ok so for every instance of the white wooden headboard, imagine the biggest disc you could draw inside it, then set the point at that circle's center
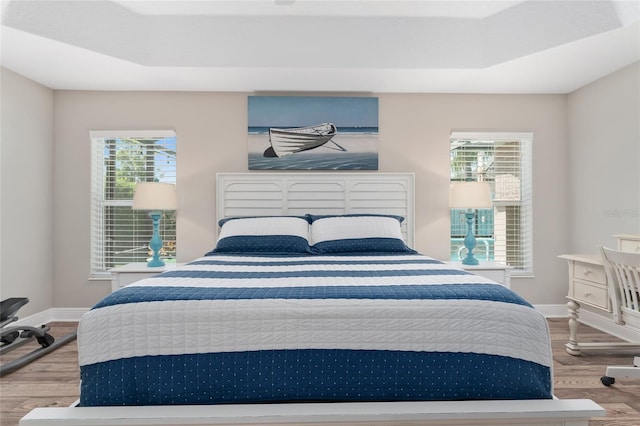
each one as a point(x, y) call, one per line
point(276, 194)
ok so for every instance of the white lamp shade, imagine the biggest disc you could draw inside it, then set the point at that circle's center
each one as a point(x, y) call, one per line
point(155, 196)
point(470, 195)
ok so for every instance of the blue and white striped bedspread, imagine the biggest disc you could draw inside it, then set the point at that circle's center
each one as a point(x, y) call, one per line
point(242, 329)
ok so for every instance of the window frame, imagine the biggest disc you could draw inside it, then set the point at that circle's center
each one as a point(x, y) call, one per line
point(526, 203)
point(97, 200)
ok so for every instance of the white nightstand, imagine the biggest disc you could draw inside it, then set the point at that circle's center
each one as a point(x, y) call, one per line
point(131, 272)
point(496, 271)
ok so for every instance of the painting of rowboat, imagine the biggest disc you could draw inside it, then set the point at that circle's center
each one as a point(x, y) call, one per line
point(289, 141)
point(312, 133)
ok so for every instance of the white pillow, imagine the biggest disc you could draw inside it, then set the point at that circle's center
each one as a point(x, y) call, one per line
point(357, 233)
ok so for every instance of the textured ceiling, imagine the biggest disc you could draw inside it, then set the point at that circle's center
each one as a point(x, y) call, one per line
point(373, 46)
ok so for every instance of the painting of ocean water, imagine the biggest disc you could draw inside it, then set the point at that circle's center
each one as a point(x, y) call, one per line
point(312, 133)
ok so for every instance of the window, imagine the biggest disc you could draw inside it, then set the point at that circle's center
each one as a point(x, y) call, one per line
point(503, 233)
point(120, 235)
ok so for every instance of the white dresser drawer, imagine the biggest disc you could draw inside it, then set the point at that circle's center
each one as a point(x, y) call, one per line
point(585, 292)
point(590, 272)
point(632, 246)
point(628, 242)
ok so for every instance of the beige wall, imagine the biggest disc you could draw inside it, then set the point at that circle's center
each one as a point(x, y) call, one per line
point(604, 134)
point(211, 132)
point(26, 188)
point(52, 242)
point(209, 138)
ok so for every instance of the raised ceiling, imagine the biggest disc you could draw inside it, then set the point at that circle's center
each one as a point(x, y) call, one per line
point(533, 46)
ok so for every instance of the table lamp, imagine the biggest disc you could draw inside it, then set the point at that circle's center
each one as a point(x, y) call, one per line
point(155, 196)
point(470, 196)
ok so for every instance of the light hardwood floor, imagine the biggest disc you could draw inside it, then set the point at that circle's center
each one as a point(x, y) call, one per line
point(53, 380)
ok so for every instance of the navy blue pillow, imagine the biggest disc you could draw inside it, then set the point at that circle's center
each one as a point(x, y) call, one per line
point(278, 244)
point(362, 245)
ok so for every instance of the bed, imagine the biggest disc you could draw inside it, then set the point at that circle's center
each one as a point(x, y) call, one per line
point(314, 309)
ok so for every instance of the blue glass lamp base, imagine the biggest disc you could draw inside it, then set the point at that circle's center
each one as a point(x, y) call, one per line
point(155, 263)
point(156, 243)
point(470, 260)
point(470, 240)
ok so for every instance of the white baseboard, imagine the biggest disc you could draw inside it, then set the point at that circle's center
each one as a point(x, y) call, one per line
point(589, 318)
point(52, 315)
point(552, 311)
point(74, 314)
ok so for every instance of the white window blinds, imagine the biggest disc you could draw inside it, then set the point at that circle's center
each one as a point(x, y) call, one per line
point(504, 232)
point(120, 159)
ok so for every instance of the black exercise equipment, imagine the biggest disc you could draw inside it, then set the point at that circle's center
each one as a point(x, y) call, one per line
point(16, 335)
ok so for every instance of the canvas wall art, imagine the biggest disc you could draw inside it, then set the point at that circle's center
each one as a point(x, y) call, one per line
point(312, 133)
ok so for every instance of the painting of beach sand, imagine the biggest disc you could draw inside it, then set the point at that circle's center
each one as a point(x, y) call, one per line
point(312, 133)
